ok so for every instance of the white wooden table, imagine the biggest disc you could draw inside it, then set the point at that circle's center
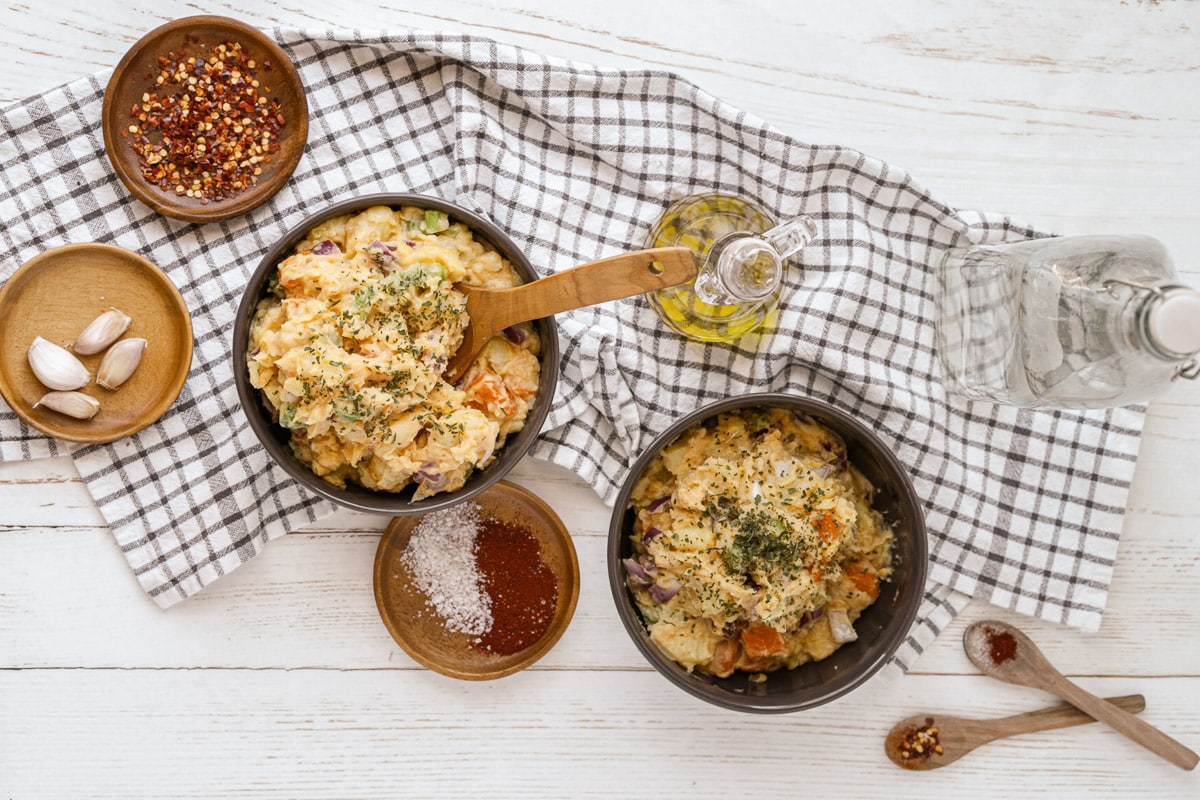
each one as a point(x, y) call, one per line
point(280, 681)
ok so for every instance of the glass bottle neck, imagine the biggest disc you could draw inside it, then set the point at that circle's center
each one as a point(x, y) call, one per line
point(744, 267)
point(741, 268)
point(1165, 319)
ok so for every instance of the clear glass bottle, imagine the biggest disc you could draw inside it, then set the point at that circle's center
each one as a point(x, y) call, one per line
point(1067, 322)
point(741, 252)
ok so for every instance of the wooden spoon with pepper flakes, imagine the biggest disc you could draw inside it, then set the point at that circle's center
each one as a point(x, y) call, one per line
point(925, 741)
point(1004, 652)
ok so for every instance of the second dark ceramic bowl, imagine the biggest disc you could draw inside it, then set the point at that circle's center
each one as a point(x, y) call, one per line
point(881, 628)
point(275, 437)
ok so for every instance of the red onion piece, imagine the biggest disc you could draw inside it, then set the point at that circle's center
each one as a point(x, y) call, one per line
point(637, 572)
point(840, 627)
point(659, 504)
point(325, 248)
point(428, 474)
point(650, 535)
point(662, 594)
point(515, 334)
point(382, 253)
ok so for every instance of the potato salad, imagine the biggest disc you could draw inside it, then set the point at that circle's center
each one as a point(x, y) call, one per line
point(349, 346)
point(755, 545)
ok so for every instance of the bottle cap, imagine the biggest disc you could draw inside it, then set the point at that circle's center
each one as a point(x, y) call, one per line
point(1174, 321)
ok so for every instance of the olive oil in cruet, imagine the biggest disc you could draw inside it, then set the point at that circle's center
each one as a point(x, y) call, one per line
point(742, 253)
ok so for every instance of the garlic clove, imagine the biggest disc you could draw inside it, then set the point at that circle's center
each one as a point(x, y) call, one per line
point(55, 367)
point(103, 331)
point(119, 362)
point(73, 404)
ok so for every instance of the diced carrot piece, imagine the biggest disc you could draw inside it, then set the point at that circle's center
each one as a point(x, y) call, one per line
point(762, 641)
point(488, 391)
point(864, 580)
point(826, 527)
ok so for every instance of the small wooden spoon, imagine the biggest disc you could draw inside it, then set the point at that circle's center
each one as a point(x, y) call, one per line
point(493, 310)
point(958, 736)
point(1004, 652)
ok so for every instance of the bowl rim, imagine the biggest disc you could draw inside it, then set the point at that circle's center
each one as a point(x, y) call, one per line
point(392, 504)
point(843, 683)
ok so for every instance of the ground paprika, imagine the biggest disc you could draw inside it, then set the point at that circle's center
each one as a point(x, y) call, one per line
point(522, 588)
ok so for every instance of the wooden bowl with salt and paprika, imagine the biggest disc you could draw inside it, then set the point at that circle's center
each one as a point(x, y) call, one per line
point(479, 590)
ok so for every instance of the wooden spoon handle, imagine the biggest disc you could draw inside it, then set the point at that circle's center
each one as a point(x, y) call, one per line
point(1127, 724)
point(609, 278)
point(1061, 716)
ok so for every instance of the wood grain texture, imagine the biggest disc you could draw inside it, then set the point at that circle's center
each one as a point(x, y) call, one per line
point(280, 680)
point(111, 277)
point(386, 733)
point(944, 739)
point(490, 311)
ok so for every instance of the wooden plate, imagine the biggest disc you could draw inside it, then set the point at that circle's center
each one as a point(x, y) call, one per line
point(55, 295)
point(193, 36)
point(423, 635)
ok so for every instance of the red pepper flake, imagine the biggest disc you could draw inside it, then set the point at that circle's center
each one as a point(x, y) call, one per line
point(206, 128)
point(1002, 646)
point(523, 590)
point(920, 743)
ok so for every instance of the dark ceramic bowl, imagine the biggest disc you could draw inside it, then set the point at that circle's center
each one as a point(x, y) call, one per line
point(881, 628)
point(275, 437)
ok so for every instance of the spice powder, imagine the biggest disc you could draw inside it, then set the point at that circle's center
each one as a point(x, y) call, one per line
point(1002, 646)
point(522, 588)
point(483, 577)
point(439, 558)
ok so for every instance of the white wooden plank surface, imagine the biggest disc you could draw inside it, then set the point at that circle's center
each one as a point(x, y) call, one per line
point(280, 681)
point(386, 733)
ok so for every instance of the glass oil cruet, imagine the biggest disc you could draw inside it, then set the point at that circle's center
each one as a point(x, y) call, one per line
point(1070, 322)
point(741, 252)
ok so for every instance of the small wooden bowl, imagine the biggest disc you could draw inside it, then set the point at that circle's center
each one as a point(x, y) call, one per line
point(420, 631)
point(193, 36)
point(55, 295)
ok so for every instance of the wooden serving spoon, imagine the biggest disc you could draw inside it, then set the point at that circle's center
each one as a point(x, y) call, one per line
point(493, 310)
point(957, 736)
point(1004, 652)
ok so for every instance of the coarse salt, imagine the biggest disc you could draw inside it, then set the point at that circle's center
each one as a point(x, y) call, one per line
point(440, 557)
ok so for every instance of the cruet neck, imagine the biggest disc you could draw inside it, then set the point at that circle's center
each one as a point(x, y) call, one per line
point(745, 267)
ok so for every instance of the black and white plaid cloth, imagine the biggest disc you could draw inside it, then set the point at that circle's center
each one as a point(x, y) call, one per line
point(1024, 507)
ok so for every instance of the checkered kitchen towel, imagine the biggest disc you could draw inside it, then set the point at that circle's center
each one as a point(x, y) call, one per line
point(1024, 508)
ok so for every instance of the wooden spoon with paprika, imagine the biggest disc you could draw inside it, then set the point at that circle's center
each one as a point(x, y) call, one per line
point(1005, 653)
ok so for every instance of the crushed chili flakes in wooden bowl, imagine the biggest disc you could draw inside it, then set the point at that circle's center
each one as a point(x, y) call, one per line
point(481, 589)
point(204, 118)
